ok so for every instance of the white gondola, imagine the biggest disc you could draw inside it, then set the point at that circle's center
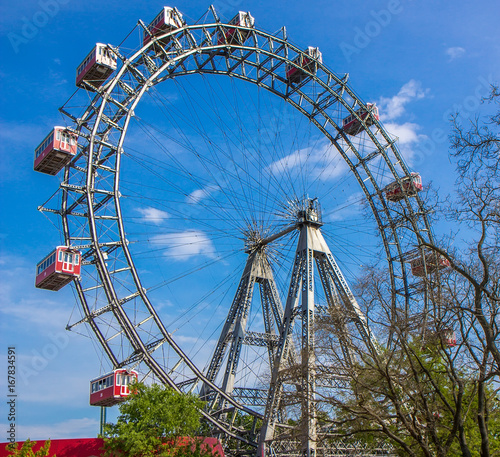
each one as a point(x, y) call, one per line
point(234, 35)
point(305, 64)
point(409, 187)
point(55, 151)
point(168, 19)
point(352, 124)
point(96, 68)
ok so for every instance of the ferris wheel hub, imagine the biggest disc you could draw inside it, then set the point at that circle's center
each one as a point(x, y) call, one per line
point(254, 238)
point(309, 212)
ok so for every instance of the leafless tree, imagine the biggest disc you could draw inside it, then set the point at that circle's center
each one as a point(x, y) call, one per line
point(476, 146)
point(425, 394)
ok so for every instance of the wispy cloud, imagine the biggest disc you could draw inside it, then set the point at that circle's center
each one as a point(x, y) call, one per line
point(201, 194)
point(347, 209)
point(57, 78)
point(289, 162)
point(322, 162)
point(393, 107)
point(185, 245)
point(408, 136)
point(153, 215)
point(72, 428)
point(37, 311)
point(20, 300)
point(407, 132)
point(454, 53)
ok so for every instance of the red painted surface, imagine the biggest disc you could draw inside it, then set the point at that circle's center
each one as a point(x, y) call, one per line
point(92, 447)
point(354, 126)
point(166, 21)
point(85, 70)
point(51, 159)
point(410, 187)
point(155, 30)
point(97, 67)
point(295, 74)
point(47, 272)
point(78, 447)
point(60, 272)
point(433, 262)
point(230, 36)
point(114, 393)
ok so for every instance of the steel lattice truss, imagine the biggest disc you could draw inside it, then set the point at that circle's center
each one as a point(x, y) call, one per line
point(111, 291)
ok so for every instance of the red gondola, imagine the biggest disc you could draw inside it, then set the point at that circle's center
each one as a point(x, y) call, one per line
point(352, 125)
point(237, 36)
point(59, 268)
point(306, 63)
point(55, 151)
point(111, 388)
point(433, 262)
point(409, 187)
point(448, 337)
point(96, 67)
point(167, 20)
point(445, 336)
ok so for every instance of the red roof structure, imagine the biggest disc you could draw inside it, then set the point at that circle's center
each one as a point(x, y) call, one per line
point(92, 447)
point(77, 447)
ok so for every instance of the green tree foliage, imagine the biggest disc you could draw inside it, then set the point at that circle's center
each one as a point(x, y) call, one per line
point(248, 427)
point(26, 450)
point(418, 398)
point(151, 421)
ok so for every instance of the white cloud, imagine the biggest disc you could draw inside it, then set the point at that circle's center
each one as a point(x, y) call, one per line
point(289, 162)
point(454, 53)
point(407, 132)
point(72, 428)
point(184, 245)
point(408, 138)
point(323, 163)
point(198, 348)
point(40, 377)
point(201, 194)
point(346, 209)
point(41, 312)
point(20, 301)
point(191, 340)
point(153, 215)
point(58, 78)
point(394, 107)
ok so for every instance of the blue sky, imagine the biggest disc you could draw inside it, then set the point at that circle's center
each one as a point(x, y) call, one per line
point(420, 61)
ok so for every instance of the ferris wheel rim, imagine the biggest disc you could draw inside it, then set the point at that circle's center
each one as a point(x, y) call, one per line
point(103, 96)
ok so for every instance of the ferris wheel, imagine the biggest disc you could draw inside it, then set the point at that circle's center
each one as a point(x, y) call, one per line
point(221, 190)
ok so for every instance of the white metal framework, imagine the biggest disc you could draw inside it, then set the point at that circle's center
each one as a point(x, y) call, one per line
point(274, 211)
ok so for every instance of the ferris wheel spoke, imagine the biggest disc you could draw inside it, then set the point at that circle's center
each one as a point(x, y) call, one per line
point(201, 151)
